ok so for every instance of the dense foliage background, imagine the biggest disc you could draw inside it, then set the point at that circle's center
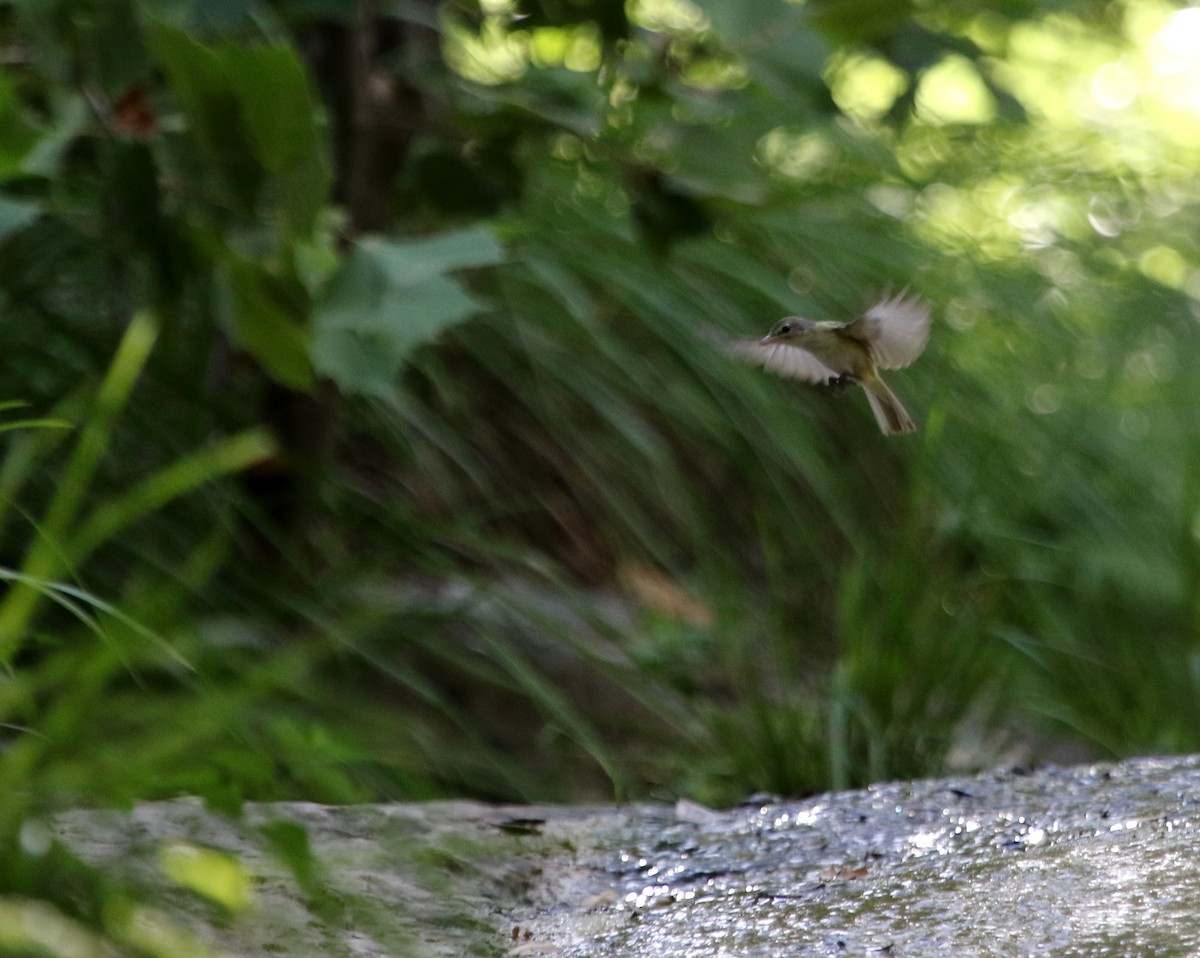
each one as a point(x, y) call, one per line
point(365, 438)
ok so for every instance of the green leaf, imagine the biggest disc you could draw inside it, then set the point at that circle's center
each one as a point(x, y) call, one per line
point(111, 32)
point(410, 262)
point(388, 298)
point(289, 842)
point(280, 113)
point(252, 111)
point(70, 117)
point(851, 21)
point(777, 40)
point(738, 19)
point(792, 59)
point(357, 362)
point(18, 133)
point(216, 875)
point(205, 95)
point(35, 424)
point(15, 215)
point(277, 106)
point(266, 315)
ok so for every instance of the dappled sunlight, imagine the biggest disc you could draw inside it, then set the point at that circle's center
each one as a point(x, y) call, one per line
point(491, 55)
point(668, 16)
point(1124, 107)
point(1164, 265)
point(576, 49)
point(952, 92)
point(865, 86)
point(797, 155)
point(1174, 54)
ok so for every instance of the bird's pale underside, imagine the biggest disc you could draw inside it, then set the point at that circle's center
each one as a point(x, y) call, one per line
point(889, 334)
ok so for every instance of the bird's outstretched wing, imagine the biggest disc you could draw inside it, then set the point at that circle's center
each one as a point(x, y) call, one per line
point(895, 329)
point(781, 359)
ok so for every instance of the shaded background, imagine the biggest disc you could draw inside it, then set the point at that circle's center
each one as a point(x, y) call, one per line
point(364, 439)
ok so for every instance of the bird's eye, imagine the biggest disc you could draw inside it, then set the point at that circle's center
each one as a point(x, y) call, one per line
point(785, 328)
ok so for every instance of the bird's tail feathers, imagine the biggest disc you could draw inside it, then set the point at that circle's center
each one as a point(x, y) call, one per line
point(889, 412)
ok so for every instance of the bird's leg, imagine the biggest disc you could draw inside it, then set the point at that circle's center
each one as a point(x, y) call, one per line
point(842, 382)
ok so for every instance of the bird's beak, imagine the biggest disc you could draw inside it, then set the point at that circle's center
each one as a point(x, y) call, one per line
point(766, 340)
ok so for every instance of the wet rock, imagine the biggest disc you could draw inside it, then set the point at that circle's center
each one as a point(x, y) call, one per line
point(1092, 860)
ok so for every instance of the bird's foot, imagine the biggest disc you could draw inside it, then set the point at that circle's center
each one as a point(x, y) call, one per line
point(842, 382)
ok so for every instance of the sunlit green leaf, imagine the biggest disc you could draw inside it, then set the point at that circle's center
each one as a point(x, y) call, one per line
point(215, 875)
point(39, 928)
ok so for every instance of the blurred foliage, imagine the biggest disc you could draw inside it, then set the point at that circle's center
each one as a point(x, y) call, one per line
point(401, 461)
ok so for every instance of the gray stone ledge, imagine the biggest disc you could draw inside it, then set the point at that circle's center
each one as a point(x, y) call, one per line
point(1094, 860)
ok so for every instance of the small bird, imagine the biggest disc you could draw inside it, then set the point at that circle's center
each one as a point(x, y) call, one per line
point(889, 334)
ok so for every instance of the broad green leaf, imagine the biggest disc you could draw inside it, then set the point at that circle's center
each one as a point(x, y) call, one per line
point(18, 132)
point(110, 31)
point(389, 297)
point(276, 102)
point(738, 20)
point(358, 362)
point(251, 109)
point(407, 315)
point(405, 263)
point(210, 16)
point(280, 113)
point(777, 40)
point(858, 20)
point(289, 843)
point(15, 215)
point(206, 96)
point(554, 96)
point(267, 317)
point(71, 116)
point(793, 59)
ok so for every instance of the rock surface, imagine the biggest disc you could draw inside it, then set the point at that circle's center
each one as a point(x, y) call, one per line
point(1096, 860)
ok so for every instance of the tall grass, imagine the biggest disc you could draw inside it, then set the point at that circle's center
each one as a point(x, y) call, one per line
point(879, 608)
point(869, 608)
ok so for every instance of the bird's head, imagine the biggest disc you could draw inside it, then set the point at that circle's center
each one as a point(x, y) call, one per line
point(790, 328)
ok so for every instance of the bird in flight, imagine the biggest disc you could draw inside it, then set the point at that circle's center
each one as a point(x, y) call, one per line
point(889, 334)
